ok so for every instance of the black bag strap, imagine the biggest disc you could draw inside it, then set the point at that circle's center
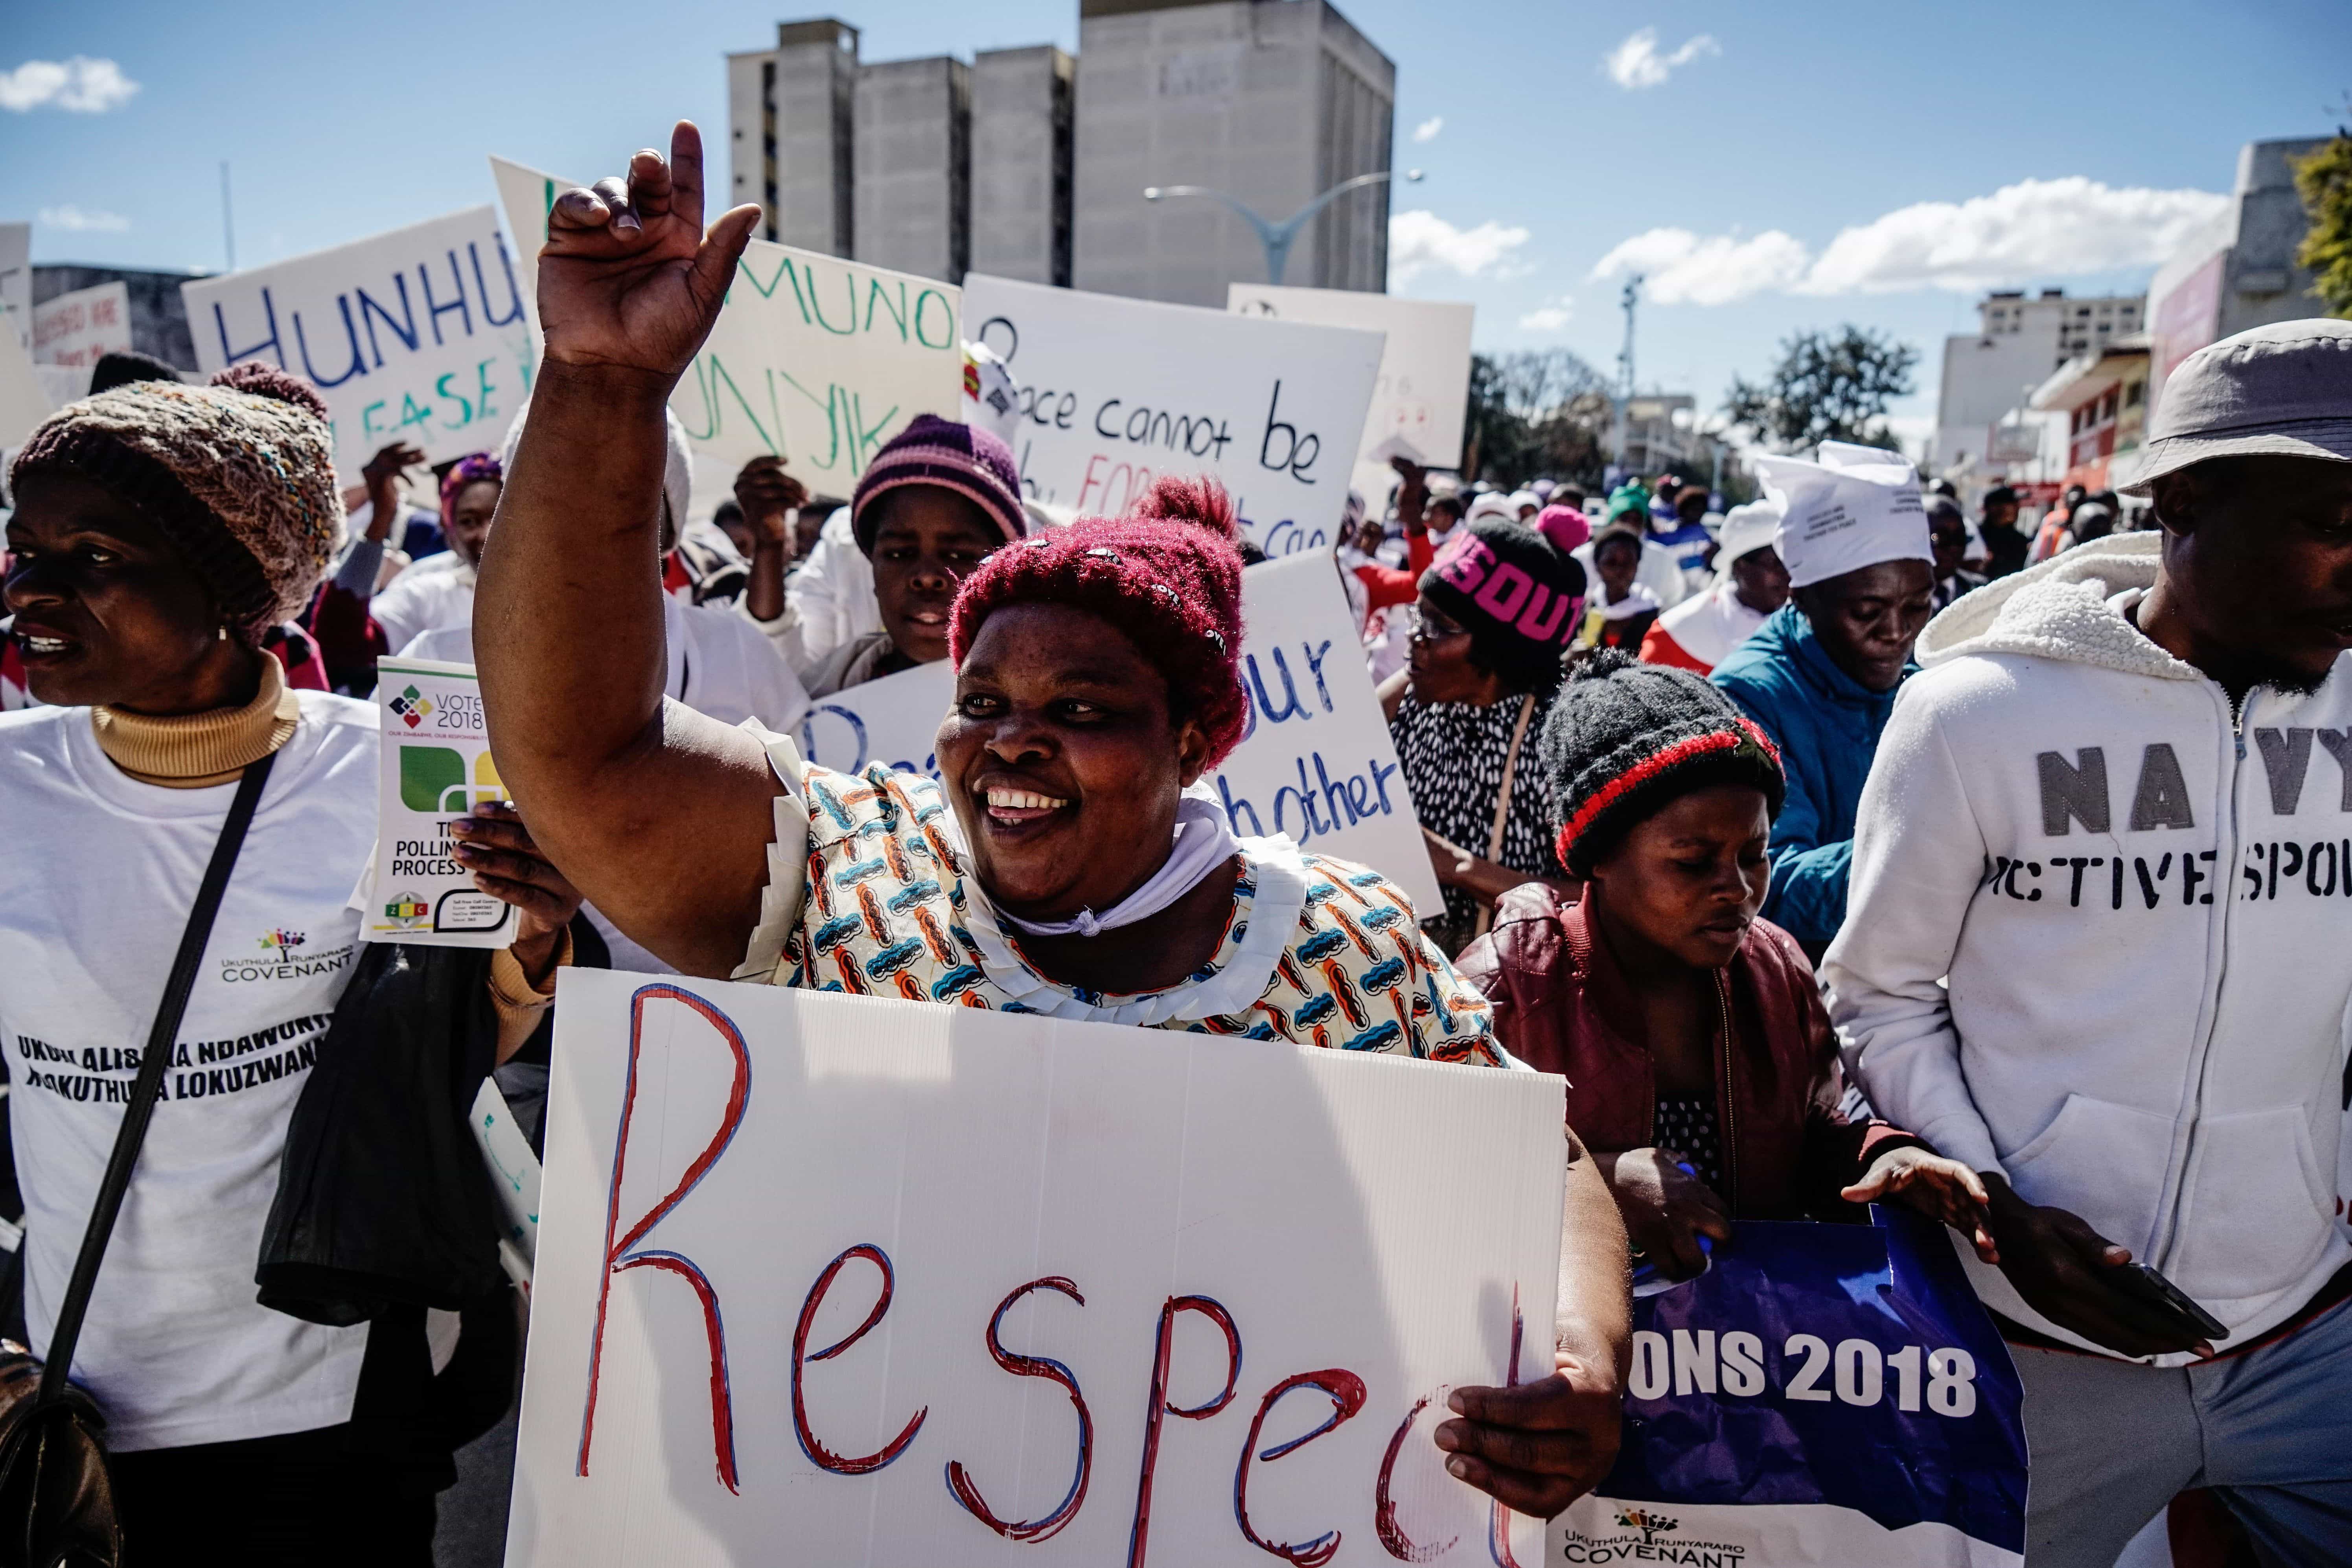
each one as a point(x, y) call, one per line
point(148, 1086)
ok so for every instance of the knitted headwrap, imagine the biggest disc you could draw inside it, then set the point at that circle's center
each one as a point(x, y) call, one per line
point(471, 469)
point(240, 475)
point(972, 462)
point(1626, 740)
point(1167, 575)
point(1515, 590)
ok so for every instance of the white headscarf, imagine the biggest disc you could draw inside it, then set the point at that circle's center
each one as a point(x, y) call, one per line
point(1745, 529)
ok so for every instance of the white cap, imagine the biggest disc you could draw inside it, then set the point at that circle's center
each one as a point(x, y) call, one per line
point(991, 396)
point(1853, 507)
point(1745, 529)
point(1492, 504)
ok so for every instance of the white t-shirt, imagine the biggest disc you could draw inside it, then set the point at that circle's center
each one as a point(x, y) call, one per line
point(95, 889)
point(719, 664)
point(828, 604)
point(428, 597)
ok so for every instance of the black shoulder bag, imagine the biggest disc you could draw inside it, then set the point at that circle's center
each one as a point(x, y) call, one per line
point(56, 1500)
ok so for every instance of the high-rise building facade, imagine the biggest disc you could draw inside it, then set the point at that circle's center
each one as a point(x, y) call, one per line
point(1030, 163)
point(1023, 112)
point(1991, 373)
point(1271, 101)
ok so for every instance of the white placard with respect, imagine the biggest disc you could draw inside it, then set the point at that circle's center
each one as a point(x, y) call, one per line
point(1317, 762)
point(855, 1280)
point(814, 359)
point(417, 335)
point(435, 767)
point(1423, 394)
point(75, 329)
point(1115, 392)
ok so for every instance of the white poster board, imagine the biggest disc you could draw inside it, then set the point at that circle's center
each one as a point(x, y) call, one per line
point(436, 768)
point(23, 401)
point(75, 329)
point(1115, 392)
point(815, 359)
point(825, 1280)
point(417, 335)
point(1422, 395)
point(1317, 762)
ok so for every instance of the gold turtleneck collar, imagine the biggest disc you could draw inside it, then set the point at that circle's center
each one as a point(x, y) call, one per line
point(193, 750)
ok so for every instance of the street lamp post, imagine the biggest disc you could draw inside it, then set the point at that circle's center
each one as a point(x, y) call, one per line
point(1274, 236)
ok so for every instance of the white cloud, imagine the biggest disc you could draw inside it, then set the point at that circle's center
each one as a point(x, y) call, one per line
point(74, 217)
point(1420, 240)
point(1636, 63)
point(1678, 268)
point(81, 84)
point(2031, 230)
point(2035, 228)
point(1550, 316)
point(1428, 129)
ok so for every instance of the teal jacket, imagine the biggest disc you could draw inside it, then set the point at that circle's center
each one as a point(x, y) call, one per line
point(1827, 726)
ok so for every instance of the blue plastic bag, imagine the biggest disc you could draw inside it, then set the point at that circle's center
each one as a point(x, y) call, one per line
point(1823, 1393)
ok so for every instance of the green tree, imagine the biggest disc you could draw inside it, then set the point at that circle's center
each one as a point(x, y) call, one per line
point(2324, 181)
point(1533, 412)
point(1826, 387)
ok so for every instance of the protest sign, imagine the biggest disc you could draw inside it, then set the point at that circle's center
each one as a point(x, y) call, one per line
point(1823, 1393)
point(814, 359)
point(872, 1282)
point(436, 768)
point(75, 329)
point(515, 1177)
point(1316, 761)
point(1115, 392)
point(416, 335)
point(23, 401)
point(1422, 395)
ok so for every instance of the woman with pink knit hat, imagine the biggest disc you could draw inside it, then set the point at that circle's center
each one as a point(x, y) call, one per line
point(1065, 861)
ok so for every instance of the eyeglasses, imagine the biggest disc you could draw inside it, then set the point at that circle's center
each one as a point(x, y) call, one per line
point(1419, 627)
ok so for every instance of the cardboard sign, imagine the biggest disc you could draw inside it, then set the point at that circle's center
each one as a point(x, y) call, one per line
point(75, 329)
point(1422, 395)
point(860, 1281)
point(418, 335)
point(436, 768)
point(1317, 762)
point(1115, 392)
point(1823, 1393)
point(17, 282)
point(515, 1176)
point(24, 403)
point(814, 359)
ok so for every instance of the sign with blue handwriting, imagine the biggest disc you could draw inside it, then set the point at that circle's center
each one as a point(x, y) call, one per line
point(1116, 392)
point(1315, 762)
point(420, 335)
point(1823, 1393)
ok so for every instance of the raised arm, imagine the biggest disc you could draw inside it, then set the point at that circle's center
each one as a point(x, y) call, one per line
point(658, 816)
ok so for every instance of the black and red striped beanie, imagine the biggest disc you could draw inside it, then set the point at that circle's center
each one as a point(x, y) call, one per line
point(1627, 739)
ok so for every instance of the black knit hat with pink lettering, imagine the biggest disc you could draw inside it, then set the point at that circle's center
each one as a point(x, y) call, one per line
point(1626, 740)
point(1516, 594)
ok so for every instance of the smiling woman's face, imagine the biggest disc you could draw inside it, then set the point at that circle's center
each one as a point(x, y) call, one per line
point(1061, 761)
point(108, 610)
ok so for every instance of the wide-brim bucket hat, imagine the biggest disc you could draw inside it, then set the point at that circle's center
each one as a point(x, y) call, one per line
point(2280, 390)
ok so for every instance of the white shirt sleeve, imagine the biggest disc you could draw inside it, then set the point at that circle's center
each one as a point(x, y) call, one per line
point(1918, 860)
point(829, 602)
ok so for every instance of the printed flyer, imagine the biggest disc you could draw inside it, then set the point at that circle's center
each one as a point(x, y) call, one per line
point(436, 767)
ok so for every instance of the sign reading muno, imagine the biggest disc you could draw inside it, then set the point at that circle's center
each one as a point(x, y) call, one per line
point(865, 1281)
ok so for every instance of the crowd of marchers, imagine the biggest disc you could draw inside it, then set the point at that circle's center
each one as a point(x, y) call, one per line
point(1839, 848)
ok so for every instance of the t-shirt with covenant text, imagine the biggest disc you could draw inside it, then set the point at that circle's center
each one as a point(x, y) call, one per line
point(95, 890)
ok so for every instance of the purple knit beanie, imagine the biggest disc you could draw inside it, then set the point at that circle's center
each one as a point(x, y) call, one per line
point(973, 463)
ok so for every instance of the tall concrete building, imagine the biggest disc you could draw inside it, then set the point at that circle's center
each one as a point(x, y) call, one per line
point(912, 162)
point(790, 117)
point(1273, 102)
point(1030, 163)
point(1023, 112)
point(2019, 342)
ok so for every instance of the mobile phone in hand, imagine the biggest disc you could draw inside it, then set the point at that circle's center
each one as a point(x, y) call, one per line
point(2139, 1281)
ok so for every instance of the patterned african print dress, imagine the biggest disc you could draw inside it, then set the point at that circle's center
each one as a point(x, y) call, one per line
point(872, 898)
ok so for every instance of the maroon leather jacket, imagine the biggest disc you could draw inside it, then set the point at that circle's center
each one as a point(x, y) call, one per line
point(1561, 1005)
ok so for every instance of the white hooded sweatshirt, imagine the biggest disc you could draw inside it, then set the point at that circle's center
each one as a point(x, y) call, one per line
point(2144, 906)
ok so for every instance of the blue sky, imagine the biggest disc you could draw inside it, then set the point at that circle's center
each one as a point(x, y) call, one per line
point(1781, 129)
